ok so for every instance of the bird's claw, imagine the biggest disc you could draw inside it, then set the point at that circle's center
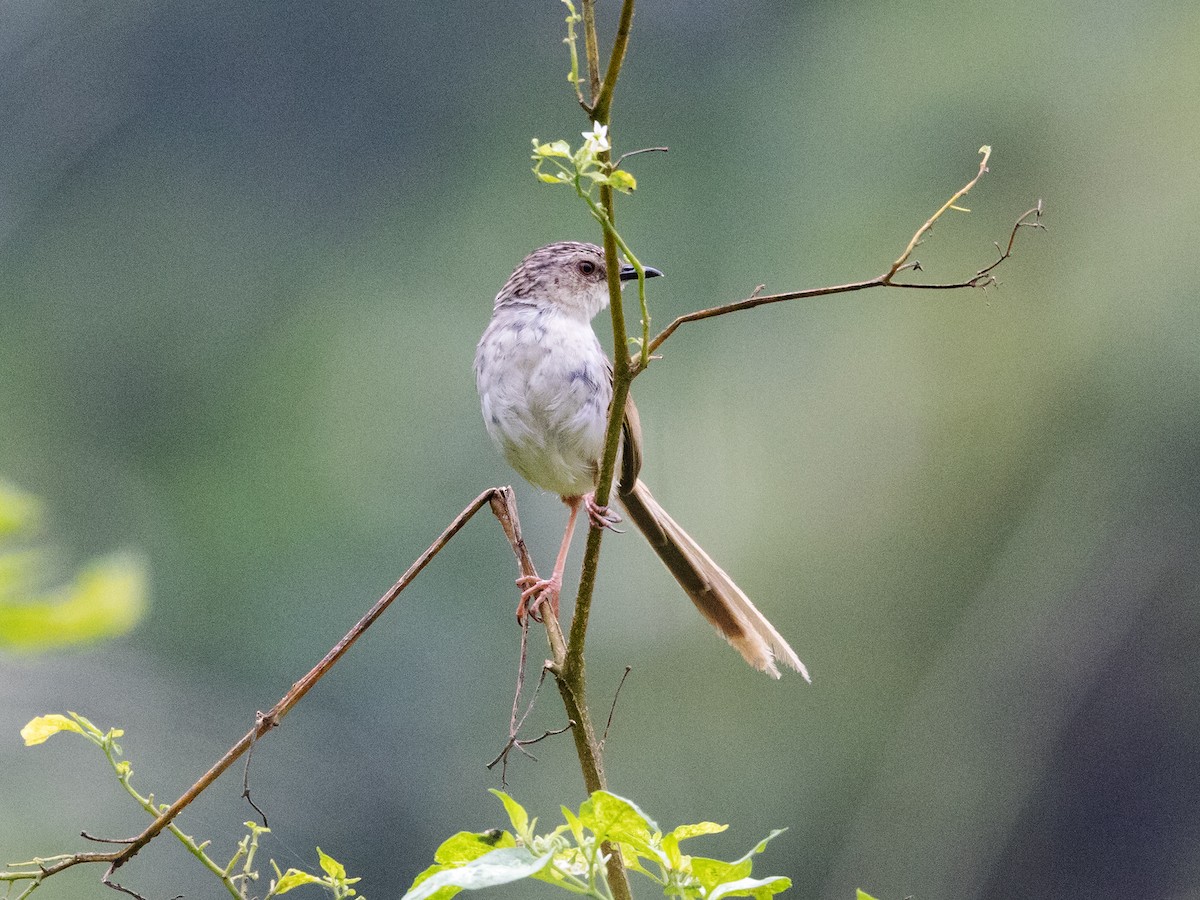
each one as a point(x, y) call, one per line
point(534, 592)
point(601, 516)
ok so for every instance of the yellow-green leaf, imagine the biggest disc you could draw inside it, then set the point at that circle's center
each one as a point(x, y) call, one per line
point(622, 181)
point(106, 599)
point(331, 866)
point(293, 878)
point(516, 812)
point(40, 730)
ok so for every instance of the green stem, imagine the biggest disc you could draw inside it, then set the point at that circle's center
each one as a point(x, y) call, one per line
point(147, 803)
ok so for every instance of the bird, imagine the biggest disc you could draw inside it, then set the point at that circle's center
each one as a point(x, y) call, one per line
point(545, 387)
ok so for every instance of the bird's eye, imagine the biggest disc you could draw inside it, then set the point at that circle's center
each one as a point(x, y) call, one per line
point(587, 267)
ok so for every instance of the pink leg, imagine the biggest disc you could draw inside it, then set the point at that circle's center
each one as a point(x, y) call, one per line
point(537, 591)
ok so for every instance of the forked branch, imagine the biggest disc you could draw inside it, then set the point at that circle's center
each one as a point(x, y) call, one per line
point(984, 277)
point(503, 505)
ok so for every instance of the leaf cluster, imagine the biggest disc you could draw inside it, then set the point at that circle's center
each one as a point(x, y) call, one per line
point(238, 876)
point(573, 856)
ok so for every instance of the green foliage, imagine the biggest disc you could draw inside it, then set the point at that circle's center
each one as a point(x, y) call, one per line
point(587, 170)
point(106, 598)
point(574, 854)
point(238, 876)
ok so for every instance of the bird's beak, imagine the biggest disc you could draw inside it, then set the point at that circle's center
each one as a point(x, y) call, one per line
point(628, 272)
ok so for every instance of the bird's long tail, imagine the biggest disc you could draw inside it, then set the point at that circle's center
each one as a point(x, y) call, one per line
point(715, 594)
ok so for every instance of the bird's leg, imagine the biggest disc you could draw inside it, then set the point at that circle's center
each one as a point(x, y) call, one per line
point(537, 591)
point(601, 516)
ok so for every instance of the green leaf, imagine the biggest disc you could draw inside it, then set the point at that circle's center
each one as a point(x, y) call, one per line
point(41, 729)
point(106, 599)
point(293, 878)
point(575, 825)
point(560, 149)
point(711, 873)
point(516, 812)
point(613, 818)
point(761, 845)
point(860, 894)
point(759, 888)
point(548, 178)
point(683, 832)
point(468, 845)
point(501, 866)
point(331, 866)
point(622, 181)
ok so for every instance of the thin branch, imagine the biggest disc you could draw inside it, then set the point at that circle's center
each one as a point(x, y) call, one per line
point(592, 50)
point(902, 260)
point(624, 156)
point(612, 709)
point(258, 717)
point(305, 684)
point(570, 675)
point(503, 505)
point(1031, 218)
point(603, 100)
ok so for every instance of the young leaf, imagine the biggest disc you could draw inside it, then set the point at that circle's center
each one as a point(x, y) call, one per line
point(683, 832)
point(501, 866)
point(758, 848)
point(39, 730)
point(467, 845)
point(759, 888)
point(622, 181)
point(711, 873)
point(613, 818)
point(516, 812)
point(293, 878)
point(331, 866)
point(860, 894)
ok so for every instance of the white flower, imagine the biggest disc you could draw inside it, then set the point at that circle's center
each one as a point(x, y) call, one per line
point(596, 140)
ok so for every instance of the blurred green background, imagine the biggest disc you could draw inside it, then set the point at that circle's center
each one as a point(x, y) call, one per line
point(246, 251)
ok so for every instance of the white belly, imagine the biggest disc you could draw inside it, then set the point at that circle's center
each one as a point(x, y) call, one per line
point(545, 387)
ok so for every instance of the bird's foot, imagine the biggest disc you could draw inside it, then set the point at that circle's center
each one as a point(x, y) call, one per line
point(535, 592)
point(601, 516)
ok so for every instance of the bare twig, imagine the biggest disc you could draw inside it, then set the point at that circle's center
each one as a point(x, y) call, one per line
point(258, 720)
point(612, 709)
point(624, 156)
point(902, 260)
point(1029, 219)
point(502, 503)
